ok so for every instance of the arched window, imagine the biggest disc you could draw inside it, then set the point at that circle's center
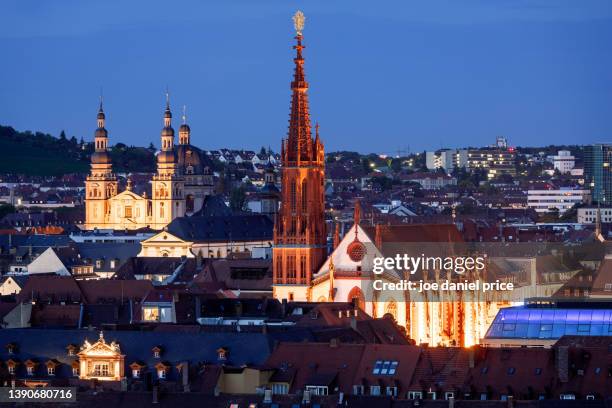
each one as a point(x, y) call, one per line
point(161, 210)
point(292, 192)
point(356, 295)
point(391, 309)
point(190, 203)
point(304, 196)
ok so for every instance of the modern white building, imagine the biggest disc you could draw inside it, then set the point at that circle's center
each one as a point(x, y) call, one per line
point(447, 159)
point(564, 161)
point(588, 215)
point(562, 199)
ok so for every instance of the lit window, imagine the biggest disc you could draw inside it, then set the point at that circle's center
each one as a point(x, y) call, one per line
point(101, 370)
point(51, 370)
point(280, 389)
point(30, 370)
point(136, 373)
point(415, 395)
point(392, 391)
point(161, 373)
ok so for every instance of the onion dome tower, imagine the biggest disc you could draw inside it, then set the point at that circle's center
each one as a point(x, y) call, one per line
point(167, 185)
point(101, 184)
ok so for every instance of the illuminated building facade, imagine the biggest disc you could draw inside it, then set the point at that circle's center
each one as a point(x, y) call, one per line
point(299, 231)
point(101, 361)
point(178, 188)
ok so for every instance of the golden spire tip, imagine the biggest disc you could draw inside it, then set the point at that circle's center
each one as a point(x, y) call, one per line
point(298, 22)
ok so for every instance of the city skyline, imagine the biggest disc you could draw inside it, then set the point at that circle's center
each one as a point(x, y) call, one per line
point(547, 66)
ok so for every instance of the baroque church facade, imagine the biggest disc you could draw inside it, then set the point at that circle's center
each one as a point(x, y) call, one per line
point(177, 189)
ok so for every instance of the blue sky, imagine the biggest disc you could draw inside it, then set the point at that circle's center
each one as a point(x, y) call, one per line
point(384, 74)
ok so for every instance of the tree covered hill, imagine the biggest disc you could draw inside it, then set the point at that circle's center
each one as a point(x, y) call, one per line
point(42, 154)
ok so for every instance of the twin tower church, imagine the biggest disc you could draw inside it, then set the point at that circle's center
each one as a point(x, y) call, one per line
point(178, 189)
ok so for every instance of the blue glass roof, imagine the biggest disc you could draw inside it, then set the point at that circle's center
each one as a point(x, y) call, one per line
point(549, 323)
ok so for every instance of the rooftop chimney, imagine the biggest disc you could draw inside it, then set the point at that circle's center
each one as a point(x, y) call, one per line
point(267, 396)
point(562, 357)
point(471, 354)
point(155, 395)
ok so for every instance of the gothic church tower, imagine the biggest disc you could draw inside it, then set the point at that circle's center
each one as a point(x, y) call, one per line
point(299, 231)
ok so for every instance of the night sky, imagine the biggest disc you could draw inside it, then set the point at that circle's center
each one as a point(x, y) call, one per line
point(384, 75)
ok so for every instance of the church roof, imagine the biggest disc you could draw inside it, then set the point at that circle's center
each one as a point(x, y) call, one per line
point(244, 348)
point(213, 205)
point(416, 233)
point(188, 155)
point(222, 228)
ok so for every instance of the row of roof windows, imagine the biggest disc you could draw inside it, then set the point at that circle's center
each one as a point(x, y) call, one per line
point(385, 367)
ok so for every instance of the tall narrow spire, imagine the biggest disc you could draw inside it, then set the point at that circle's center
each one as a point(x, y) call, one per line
point(101, 116)
point(166, 158)
point(101, 135)
point(300, 234)
point(598, 221)
point(299, 139)
point(100, 159)
point(167, 112)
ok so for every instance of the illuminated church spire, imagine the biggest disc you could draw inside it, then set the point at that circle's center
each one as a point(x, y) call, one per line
point(299, 144)
point(300, 238)
point(101, 184)
point(166, 158)
point(100, 159)
point(167, 136)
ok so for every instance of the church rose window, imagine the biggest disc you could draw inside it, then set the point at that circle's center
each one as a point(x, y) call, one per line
point(356, 251)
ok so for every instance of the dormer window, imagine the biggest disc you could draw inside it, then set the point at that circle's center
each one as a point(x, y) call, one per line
point(51, 365)
point(71, 349)
point(136, 368)
point(75, 369)
point(11, 348)
point(222, 353)
point(162, 370)
point(156, 352)
point(10, 365)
